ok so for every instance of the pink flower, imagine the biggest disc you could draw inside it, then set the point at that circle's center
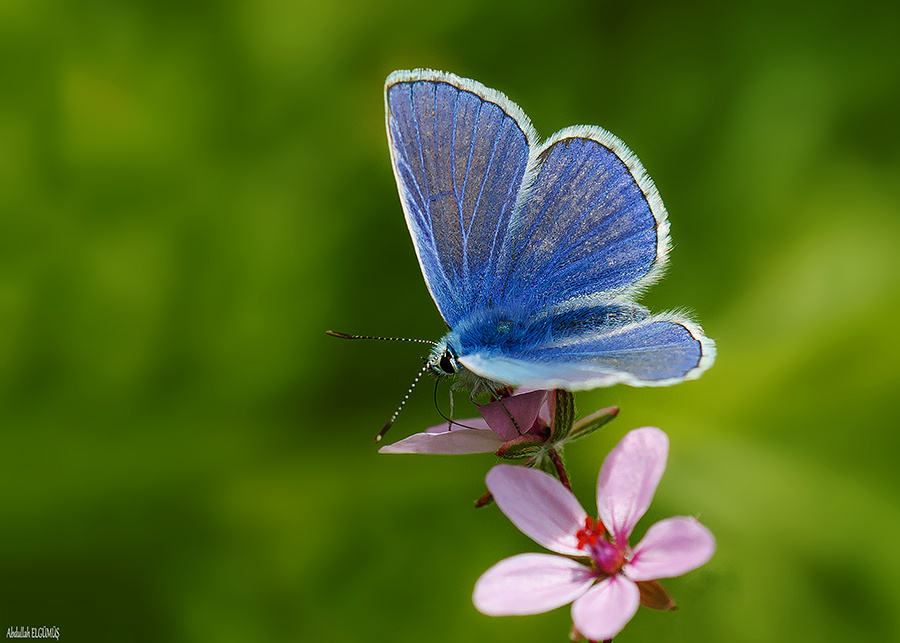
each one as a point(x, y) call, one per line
point(618, 578)
point(486, 434)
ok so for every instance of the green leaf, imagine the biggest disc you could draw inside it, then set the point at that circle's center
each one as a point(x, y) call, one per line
point(593, 422)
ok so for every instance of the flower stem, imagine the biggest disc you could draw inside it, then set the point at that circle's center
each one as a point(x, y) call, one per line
point(556, 459)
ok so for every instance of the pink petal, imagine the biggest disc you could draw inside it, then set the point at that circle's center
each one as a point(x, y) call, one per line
point(670, 548)
point(456, 442)
point(548, 408)
point(539, 506)
point(605, 609)
point(628, 479)
point(456, 425)
point(530, 584)
point(524, 408)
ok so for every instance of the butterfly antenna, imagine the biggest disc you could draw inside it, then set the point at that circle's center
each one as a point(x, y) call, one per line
point(411, 386)
point(402, 404)
point(389, 339)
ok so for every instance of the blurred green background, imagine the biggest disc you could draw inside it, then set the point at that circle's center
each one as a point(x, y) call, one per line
point(192, 192)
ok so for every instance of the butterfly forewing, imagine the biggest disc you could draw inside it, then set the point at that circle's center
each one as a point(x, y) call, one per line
point(459, 159)
point(591, 224)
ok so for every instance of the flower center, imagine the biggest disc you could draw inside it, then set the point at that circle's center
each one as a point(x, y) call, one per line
point(594, 538)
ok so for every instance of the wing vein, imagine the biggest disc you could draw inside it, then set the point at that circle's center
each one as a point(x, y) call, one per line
point(512, 187)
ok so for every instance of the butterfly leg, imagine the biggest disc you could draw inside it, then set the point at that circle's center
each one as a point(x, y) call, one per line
point(498, 393)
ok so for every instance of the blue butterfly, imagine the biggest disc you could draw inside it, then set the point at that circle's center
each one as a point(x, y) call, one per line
point(533, 252)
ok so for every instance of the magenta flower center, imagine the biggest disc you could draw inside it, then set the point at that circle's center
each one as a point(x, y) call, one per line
point(594, 538)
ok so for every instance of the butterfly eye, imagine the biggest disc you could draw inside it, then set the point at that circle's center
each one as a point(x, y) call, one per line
point(446, 364)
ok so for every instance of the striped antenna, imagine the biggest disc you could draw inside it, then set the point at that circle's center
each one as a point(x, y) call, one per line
point(387, 339)
point(402, 404)
point(411, 386)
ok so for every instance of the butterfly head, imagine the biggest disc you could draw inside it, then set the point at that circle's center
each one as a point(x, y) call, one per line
point(443, 360)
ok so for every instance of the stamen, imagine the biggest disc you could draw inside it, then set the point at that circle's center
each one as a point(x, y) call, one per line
point(591, 533)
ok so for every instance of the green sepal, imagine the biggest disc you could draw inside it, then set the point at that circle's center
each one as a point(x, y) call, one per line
point(563, 414)
point(484, 500)
point(655, 596)
point(522, 447)
point(594, 421)
point(542, 462)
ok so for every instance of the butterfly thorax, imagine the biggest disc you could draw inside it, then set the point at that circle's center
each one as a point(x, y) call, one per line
point(487, 331)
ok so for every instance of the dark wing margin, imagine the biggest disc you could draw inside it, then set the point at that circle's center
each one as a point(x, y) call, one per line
point(459, 152)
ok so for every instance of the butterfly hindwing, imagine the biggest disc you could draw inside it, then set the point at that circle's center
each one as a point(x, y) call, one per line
point(655, 351)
